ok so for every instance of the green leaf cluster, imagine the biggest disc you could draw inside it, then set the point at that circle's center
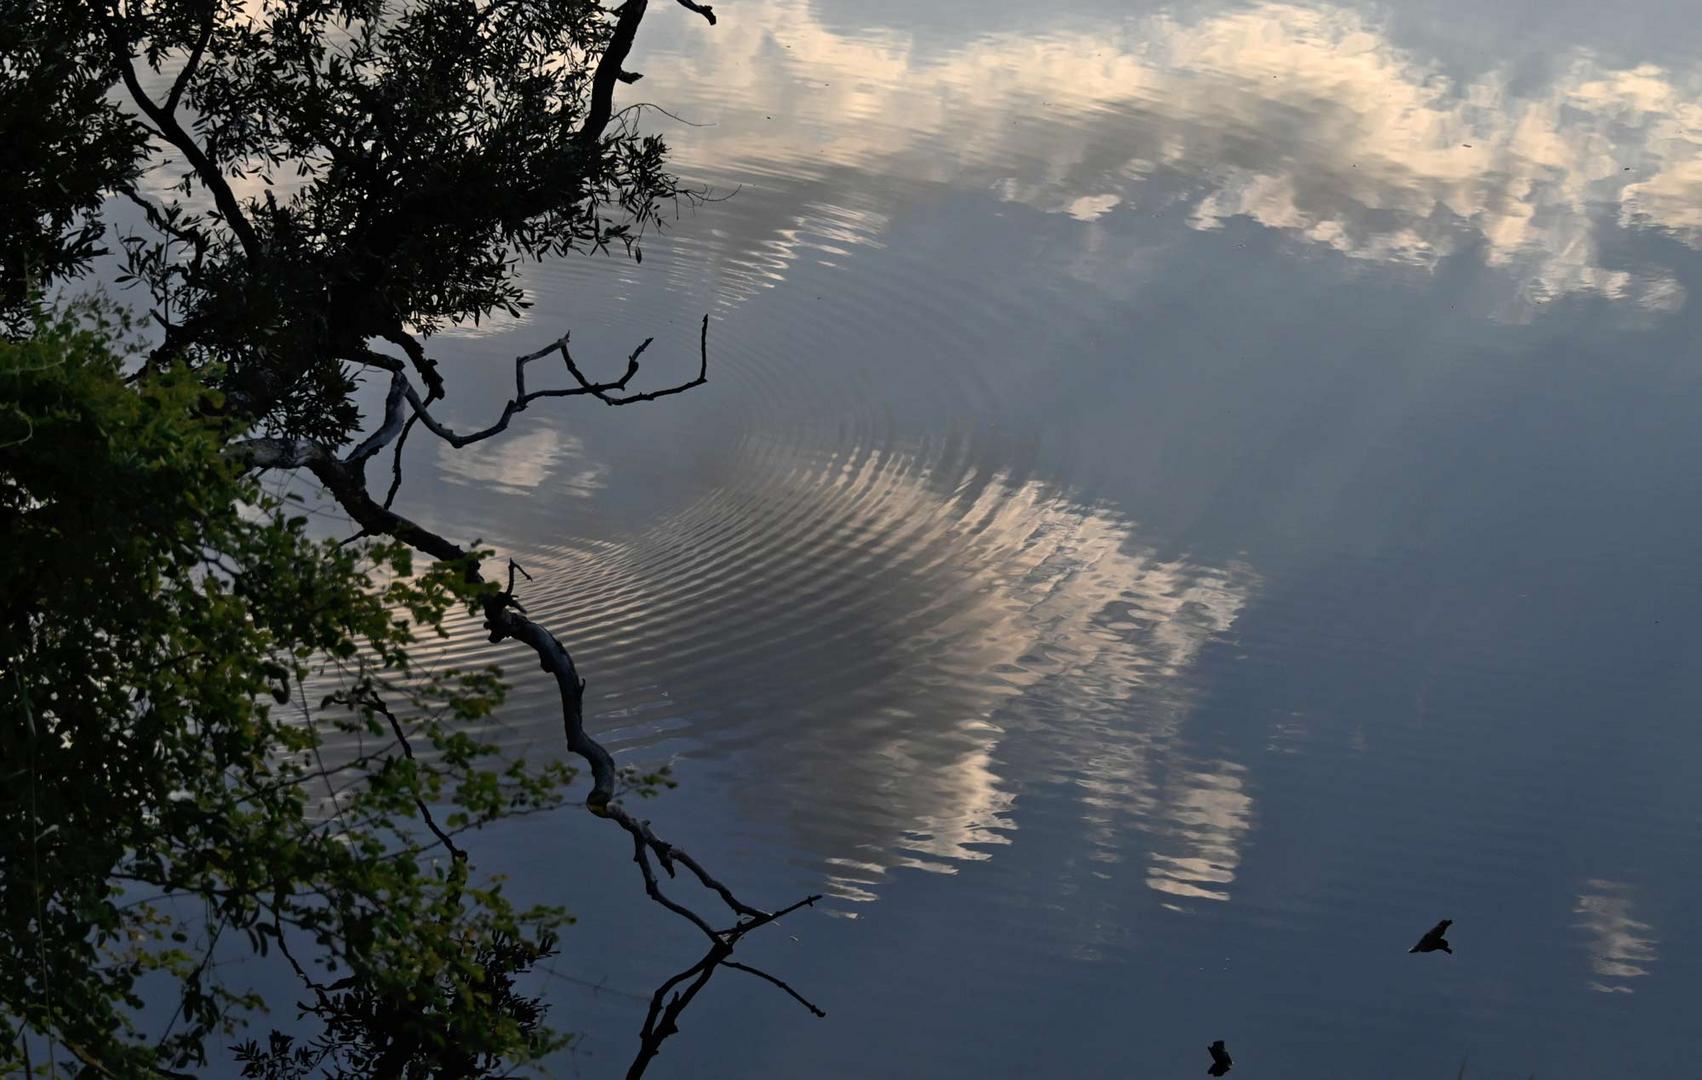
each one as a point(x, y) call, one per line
point(357, 170)
point(214, 739)
point(67, 143)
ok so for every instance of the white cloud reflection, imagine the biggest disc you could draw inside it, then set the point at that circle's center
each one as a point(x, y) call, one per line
point(520, 464)
point(1210, 814)
point(1008, 623)
point(1075, 618)
point(1306, 119)
point(1621, 947)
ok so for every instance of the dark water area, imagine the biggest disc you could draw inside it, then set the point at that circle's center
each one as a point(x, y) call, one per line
point(1186, 497)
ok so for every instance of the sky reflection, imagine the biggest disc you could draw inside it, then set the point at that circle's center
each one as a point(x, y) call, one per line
point(522, 463)
point(937, 618)
point(1308, 120)
point(1150, 460)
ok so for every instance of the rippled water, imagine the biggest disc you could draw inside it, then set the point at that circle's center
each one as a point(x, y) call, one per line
point(1186, 497)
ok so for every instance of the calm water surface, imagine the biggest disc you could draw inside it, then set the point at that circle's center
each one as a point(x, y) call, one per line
point(1187, 496)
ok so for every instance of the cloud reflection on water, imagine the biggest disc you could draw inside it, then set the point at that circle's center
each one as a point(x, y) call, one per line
point(985, 635)
point(521, 463)
point(1621, 946)
point(1308, 120)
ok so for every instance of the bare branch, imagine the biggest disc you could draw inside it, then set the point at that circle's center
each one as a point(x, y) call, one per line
point(668, 854)
point(415, 351)
point(390, 428)
point(607, 392)
point(348, 487)
point(763, 920)
point(600, 392)
point(641, 856)
point(506, 618)
point(608, 72)
point(662, 1019)
point(509, 592)
point(702, 9)
point(396, 462)
point(759, 973)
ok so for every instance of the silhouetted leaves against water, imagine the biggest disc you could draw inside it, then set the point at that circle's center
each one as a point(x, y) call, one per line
point(1220, 1059)
point(1433, 940)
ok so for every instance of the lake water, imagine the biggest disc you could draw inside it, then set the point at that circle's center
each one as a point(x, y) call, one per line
point(1187, 496)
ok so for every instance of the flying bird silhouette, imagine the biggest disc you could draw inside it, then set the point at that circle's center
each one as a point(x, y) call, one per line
point(1220, 1059)
point(1434, 940)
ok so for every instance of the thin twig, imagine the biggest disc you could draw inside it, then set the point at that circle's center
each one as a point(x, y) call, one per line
point(182, 82)
point(369, 697)
point(759, 973)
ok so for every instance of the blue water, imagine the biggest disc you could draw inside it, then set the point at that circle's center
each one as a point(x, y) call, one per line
point(1186, 497)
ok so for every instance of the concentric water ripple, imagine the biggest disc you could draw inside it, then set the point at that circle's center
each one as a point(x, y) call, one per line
point(861, 625)
point(1180, 503)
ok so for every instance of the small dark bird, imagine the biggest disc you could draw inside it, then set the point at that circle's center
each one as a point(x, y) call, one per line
point(1220, 1059)
point(1434, 940)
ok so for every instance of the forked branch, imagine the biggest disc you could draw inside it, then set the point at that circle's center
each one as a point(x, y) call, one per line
point(609, 392)
point(506, 618)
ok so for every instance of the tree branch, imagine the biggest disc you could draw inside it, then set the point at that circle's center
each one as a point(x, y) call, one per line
point(173, 131)
point(415, 351)
point(759, 973)
point(601, 392)
point(369, 697)
point(393, 425)
point(662, 1018)
point(181, 83)
point(359, 312)
point(641, 856)
point(390, 428)
point(608, 72)
point(396, 462)
point(702, 9)
point(504, 618)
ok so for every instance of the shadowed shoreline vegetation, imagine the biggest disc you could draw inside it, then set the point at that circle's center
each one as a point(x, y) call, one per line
point(186, 665)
